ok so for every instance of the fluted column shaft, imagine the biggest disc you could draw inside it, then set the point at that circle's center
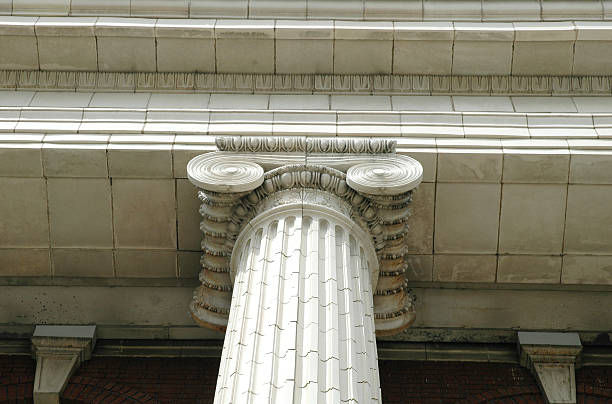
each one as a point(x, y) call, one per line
point(301, 324)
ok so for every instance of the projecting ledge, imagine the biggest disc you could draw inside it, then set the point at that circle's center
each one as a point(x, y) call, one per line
point(552, 359)
point(59, 351)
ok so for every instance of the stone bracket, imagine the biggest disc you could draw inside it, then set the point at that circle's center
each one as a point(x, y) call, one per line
point(59, 351)
point(552, 358)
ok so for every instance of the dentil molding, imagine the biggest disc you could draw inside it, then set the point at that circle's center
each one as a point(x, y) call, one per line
point(303, 83)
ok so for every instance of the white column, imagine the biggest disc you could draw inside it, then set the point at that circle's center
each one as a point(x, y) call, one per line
point(301, 325)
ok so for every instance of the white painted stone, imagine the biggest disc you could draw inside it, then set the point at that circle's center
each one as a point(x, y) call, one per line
point(482, 104)
point(543, 104)
point(361, 103)
point(532, 218)
point(349, 341)
point(432, 125)
point(467, 218)
point(440, 103)
point(593, 104)
point(299, 102)
point(80, 212)
point(239, 101)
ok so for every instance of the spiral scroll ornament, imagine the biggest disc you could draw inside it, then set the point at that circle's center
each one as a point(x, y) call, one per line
point(385, 177)
point(224, 174)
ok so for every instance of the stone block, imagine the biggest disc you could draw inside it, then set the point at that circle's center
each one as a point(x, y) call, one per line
point(588, 227)
point(145, 263)
point(422, 57)
point(532, 218)
point(422, 103)
point(587, 270)
point(23, 213)
point(363, 56)
point(472, 103)
point(245, 46)
point(189, 233)
point(543, 58)
point(23, 51)
point(189, 264)
point(590, 167)
point(80, 212)
point(591, 58)
point(139, 161)
point(82, 263)
point(420, 268)
point(185, 55)
point(144, 213)
point(21, 160)
point(468, 165)
point(421, 221)
point(24, 262)
point(67, 53)
point(69, 160)
point(464, 268)
point(535, 166)
point(482, 57)
point(129, 54)
point(467, 218)
point(529, 269)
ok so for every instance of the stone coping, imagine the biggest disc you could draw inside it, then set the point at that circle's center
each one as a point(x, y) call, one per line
point(114, 44)
point(408, 10)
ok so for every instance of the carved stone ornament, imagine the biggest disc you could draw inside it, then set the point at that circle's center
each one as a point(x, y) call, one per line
point(250, 175)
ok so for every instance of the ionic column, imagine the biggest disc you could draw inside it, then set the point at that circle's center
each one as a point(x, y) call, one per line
point(298, 238)
point(301, 325)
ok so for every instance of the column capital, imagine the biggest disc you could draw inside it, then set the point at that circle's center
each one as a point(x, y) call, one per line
point(247, 175)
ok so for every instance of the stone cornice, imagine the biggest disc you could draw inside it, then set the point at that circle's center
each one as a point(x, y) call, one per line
point(305, 83)
point(327, 47)
point(409, 10)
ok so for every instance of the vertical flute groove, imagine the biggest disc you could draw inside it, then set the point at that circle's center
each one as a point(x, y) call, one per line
point(301, 326)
